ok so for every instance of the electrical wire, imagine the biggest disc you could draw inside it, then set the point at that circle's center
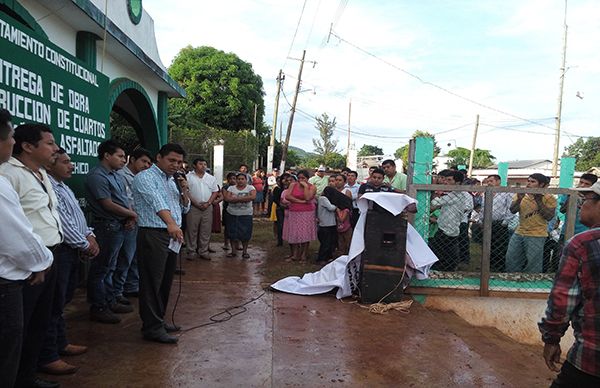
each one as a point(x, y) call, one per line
point(425, 82)
point(225, 315)
point(312, 25)
point(295, 33)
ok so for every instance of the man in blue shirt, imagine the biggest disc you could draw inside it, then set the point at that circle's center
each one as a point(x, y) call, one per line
point(112, 217)
point(159, 201)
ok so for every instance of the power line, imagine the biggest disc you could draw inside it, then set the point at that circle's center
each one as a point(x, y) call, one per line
point(312, 25)
point(295, 32)
point(425, 82)
point(516, 130)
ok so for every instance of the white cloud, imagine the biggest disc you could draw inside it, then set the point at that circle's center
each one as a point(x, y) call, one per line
point(504, 57)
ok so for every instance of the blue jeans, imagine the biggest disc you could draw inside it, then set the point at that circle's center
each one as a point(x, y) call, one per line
point(110, 236)
point(124, 264)
point(67, 274)
point(525, 254)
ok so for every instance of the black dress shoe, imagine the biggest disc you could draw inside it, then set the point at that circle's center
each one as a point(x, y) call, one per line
point(39, 383)
point(122, 300)
point(172, 328)
point(162, 338)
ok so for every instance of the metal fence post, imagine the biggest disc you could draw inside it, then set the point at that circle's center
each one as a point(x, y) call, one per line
point(486, 248)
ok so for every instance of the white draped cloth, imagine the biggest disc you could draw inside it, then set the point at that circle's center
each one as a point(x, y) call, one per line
point(337, 273)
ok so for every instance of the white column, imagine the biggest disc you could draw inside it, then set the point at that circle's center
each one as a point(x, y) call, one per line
point(218, 165)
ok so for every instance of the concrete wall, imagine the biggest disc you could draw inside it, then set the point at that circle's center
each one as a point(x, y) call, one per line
point(517, 318)
point(65, 36)
point(58, 32)
point(142, 33)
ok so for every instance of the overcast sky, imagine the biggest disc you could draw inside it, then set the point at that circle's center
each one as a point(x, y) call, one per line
point(408, 65)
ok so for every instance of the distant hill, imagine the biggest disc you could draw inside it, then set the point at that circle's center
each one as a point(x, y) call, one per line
point(301, 153)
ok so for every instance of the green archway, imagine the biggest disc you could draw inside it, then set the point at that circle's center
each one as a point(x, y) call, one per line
point(129, 99)
point(19, 13)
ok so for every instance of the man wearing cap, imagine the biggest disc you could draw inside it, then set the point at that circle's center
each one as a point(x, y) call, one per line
point(319, 180)
point(575, 299)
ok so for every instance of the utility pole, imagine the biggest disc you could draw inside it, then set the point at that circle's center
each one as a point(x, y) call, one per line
point(473, 147)
point(284, 148)
point(271, 149)
point(256, 162)
point(348, 147)
point(563, 69)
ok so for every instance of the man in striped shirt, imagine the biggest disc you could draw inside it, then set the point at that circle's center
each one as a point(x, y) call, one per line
point(159, 201)
point(78, 240)
point(575, 298)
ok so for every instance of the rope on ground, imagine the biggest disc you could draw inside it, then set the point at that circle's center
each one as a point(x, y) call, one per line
point(383, 308)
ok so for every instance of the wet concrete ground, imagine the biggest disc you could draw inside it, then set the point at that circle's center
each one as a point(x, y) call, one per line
point(282, 340)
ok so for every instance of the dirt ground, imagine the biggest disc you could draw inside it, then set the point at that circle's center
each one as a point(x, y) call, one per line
point(281, 340)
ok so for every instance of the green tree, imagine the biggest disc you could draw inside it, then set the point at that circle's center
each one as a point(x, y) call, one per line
point(461, 155)
point(586, 152)
point(222, 90)
point(123, 132)
point(326, 145)
point(367, 150)
point(402, 152)
point(335, 160)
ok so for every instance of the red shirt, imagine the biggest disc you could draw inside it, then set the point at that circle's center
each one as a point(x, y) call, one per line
point(257, 182)
point(575, 298)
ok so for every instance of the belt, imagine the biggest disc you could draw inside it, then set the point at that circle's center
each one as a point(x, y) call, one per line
point(55, 247)
point(9, 282)
point(155, 229)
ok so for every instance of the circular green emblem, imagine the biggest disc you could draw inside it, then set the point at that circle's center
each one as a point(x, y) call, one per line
point(134, 8)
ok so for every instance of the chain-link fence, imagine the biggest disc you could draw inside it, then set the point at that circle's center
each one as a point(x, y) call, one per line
point(239, 147)
point(492, 240)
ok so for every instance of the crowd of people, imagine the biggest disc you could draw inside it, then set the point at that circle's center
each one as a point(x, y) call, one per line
point(131, 244)
point(526, 231)
point(147, 208)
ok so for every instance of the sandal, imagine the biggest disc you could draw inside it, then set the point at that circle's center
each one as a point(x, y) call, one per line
point(232, 254)
point(246, 256)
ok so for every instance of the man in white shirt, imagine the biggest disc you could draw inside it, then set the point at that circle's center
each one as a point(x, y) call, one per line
point(353, 186)
point(453, 207)
point(203, 192)
point(34, 148)
point(501, 216)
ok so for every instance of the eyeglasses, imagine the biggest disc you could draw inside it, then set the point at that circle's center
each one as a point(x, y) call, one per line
point(582, 199)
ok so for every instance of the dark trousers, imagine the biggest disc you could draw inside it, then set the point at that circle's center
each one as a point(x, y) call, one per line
point(464, 246)
point(11, 330)
point(354, 217)
point(280, 212)
point(156, 264)
point(328, 241)
point(37, 309)
point(446, 249)
point(500, 238)
point(67, 275)
point(570, 376)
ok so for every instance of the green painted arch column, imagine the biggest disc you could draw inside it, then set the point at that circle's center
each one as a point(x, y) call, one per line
point(19, 12)
point(144, 120)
